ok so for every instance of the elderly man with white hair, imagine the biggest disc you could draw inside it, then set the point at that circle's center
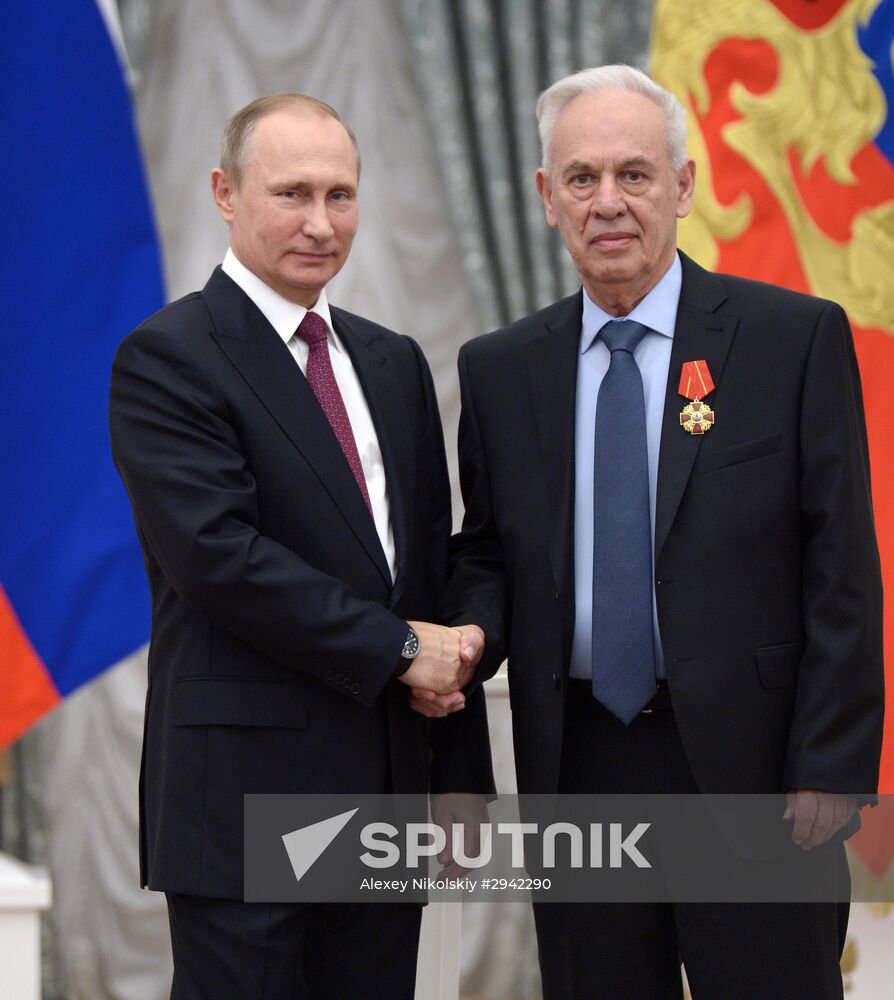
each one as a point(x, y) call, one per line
point(669, 533)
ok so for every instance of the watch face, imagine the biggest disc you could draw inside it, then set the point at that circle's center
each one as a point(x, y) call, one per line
point(411, 646)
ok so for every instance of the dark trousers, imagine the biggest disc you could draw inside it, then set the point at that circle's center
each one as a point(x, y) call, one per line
point(621, 951)
point(229, 950)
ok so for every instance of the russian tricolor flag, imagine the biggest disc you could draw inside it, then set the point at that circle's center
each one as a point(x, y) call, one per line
point(80, 268)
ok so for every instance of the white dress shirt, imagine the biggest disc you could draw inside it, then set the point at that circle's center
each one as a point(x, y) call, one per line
point(285, 317)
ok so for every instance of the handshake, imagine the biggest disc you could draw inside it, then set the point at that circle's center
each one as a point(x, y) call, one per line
point(445, 664)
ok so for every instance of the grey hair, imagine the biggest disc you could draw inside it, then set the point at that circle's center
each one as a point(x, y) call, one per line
point(240, 129)
point(617, 77)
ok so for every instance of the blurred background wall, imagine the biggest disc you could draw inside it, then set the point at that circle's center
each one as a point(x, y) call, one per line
point(452, 243)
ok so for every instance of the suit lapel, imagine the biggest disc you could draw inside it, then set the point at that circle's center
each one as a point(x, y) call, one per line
point(268, 367)
point(381, 386)
point(552, 375)
point(701, 333)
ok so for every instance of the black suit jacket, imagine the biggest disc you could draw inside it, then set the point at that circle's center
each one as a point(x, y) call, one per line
point(766, 567)
point(276, 627)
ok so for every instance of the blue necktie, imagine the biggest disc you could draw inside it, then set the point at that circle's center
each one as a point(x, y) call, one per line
point(623, 653)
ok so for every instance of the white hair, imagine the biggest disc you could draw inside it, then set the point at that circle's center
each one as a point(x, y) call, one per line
point(618, 77)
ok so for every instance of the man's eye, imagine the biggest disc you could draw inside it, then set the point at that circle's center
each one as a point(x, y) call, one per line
point(581, 179)
point(634, 175)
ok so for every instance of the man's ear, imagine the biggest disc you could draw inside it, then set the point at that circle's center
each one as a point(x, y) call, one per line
point(685, 189)
point(223, 190)
point(545, 190)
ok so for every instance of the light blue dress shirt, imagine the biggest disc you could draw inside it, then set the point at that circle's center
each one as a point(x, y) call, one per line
point(657, 311)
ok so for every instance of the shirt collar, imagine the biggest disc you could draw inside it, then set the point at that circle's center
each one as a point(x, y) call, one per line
point(283, 316)
point(657, 311)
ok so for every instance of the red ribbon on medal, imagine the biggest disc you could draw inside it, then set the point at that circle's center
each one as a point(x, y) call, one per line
point(695, 380)
point(695, 383)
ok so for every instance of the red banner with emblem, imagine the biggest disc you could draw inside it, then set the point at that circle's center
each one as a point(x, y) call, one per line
point(791, 124)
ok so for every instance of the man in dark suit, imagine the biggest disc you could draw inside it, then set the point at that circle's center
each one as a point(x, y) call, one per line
point(689, 601)
point(285, 463)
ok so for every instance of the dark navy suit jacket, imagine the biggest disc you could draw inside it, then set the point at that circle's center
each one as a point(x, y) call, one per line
point(276, 627)
point(766, 566)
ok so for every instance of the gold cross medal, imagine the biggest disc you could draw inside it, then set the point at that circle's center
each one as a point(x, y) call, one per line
point(697, 417)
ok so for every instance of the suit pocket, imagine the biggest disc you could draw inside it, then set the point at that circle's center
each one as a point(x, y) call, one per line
point(229, 701)
point(736, 454)
point(777, 666)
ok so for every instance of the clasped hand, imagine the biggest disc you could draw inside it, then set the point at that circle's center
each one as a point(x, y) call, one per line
point(445, 664)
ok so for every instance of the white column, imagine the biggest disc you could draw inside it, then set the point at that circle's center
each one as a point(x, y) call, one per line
point(24, 892)
point(437, 965)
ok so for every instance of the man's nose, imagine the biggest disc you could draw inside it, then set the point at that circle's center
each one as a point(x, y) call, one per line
point(608, 201)
point(316, 221)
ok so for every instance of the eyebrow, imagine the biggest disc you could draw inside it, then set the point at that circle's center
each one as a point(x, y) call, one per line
point(578, 166)
point(636, 161)
point(585, 166)
point(306, 188)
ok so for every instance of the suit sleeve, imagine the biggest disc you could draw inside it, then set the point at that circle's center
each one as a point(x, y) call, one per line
point(437, 483)
point(196, 506)
point(461, 756)
point(836, 729)
point(477, 591)
point(462, 759)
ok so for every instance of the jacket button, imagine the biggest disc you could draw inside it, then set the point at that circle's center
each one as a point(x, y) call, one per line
point(355, 688)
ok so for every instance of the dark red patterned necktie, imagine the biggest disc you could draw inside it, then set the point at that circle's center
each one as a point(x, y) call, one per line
point(321, 379)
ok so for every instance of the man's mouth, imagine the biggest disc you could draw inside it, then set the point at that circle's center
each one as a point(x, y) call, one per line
point(610, 241)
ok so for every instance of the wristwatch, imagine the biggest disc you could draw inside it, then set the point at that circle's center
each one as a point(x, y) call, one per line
point(408, 654)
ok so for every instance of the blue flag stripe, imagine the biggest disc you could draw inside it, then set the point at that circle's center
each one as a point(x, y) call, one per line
point(82, 269)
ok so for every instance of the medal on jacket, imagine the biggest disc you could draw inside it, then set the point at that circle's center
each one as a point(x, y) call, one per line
point(695, 383)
